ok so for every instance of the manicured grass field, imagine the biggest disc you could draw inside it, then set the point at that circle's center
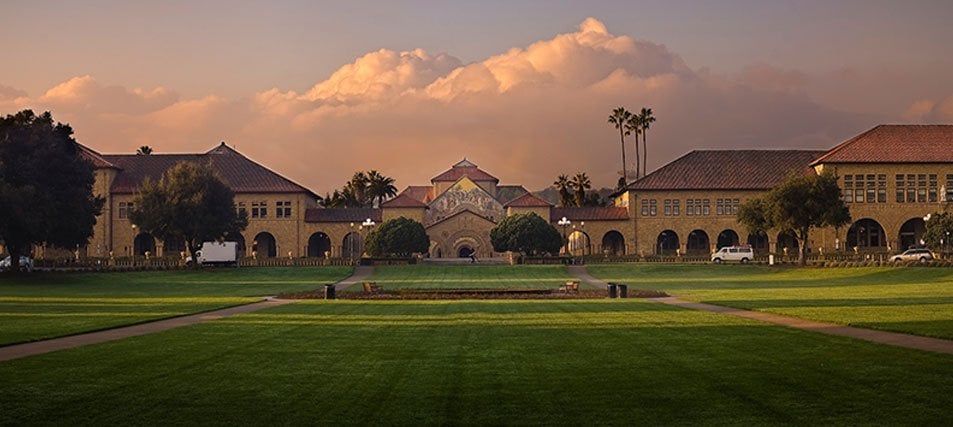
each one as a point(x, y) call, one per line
point(39, 306)
point(469, 277)
point(917, 300)
point(583, 362)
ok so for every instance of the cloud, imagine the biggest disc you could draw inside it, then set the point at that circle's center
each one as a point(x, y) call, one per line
point(930, 111)
point(525, 115)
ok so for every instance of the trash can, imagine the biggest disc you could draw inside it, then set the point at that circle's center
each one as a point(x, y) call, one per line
point(329, 292)
point(612, 290)
point(623, 290)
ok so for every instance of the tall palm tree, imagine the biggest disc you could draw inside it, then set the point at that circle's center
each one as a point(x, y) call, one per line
point(634, 124)
point(619, 117)
point(646, 118)
point(356, 189)
point(562, 185)
point(581, 183)
point(145, 150)
point(380, 187)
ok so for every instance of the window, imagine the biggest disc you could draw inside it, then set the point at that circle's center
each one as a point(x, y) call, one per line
point(911, 195)
point(668, 207)
point(125, 208)
point(949, 188)
point(653, 207)
point(259, 209)
point(899, 195)
point(698, 207)
point(720, 207)
point(689, 207)
point(241, 209)
point(706, 207)
point(676, 207)
point(859, 195)
point(645, 207)
point(921, 195)
point(283, 209)
point(735, 204)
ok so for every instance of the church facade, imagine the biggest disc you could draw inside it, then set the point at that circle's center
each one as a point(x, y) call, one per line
point(892, 177)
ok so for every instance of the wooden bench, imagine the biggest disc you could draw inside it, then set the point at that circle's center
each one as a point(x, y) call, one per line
point(371, 288)
point(570, 287)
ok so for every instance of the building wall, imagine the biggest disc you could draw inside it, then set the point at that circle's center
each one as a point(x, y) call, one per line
point(416, 214)
point(464, 229)
point(542, 211)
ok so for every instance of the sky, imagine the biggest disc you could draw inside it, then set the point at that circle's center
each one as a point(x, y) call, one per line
point(317, 90)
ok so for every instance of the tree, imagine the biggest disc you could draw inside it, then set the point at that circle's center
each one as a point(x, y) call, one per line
point(145, 150)
point(939, 229)
point(526, 234)
point(380, 187)
point(645, 121)
point(798, 203)
point(634, 125)
point(400, 237)
point(563, 185)
point(355, 190)
point(581, 183)
point(619, 117)
point(188, 203)
point(46, 186)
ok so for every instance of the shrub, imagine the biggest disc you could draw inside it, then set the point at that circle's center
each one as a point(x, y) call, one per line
point(400, 237)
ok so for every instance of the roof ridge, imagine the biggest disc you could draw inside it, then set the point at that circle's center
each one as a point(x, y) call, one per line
point(235, 151)
point(844, 144)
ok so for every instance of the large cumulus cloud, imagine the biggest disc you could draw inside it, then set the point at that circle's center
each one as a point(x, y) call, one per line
point(526, 115)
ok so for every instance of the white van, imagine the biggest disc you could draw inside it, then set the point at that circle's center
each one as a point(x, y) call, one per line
point(742, 254)
point(223, 253)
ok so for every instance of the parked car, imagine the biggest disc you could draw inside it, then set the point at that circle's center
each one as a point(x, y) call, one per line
point(26, 264)
point(741, 254)
point(916, 254)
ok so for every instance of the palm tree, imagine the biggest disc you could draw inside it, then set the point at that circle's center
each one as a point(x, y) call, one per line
point(563, 185)
point(581, 183)
point(634, 124)
point(356, 190)
point(380, 187)
point(145, 150)
point(619, 117)
point(646, 119)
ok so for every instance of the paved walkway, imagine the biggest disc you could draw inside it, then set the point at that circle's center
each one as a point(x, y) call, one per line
point(40, 347)
point(882, 337)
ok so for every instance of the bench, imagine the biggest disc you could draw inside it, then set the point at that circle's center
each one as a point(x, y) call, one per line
point(371, 288)
point(570, 287)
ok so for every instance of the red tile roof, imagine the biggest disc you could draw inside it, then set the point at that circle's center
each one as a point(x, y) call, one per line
point(528, 200)
point(420, 193)
point(608, 213)
point(727, 170)
point(403, 201)
point(895, 144)
point(464, 168)
point(240, 173)
point(355, 215)
point(95, 158)
point(507, 193)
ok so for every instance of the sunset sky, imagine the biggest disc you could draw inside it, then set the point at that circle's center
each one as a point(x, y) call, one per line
point(317, 90)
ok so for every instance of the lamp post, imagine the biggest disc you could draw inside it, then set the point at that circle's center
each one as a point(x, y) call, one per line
point(565, 223)
point(132, 248)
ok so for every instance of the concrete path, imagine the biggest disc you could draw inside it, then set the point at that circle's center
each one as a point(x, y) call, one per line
point(40, 347)
point(882, 337)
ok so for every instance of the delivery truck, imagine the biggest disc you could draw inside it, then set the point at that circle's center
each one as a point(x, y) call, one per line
point(217, 253)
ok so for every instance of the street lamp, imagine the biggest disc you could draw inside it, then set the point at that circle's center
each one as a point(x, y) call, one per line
point(565, 223)
point(368, 223)
point(132, 249)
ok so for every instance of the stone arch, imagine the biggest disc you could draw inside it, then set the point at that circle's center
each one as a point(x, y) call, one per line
point(352, 246)
point(470, 238)
point(319, 245)
point(727, 237)
point(613, 243)
point(698, 242)
point(911, 232)
point(265, 245)
point(579, 243)
point(667, 243)
point(172, 247)
point(866, 233)
point(143, 243)
point(758, 242)
point(787, 240)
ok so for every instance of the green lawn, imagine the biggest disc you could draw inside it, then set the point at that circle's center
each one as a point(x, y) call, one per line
point(583, 362)
point(469, 276)
point(40, 306)
point(916, 300)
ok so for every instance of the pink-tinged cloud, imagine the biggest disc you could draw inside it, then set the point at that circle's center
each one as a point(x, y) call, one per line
point(525, 115)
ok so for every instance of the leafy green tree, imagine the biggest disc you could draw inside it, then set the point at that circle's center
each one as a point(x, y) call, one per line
point(939, 230)
point(188, 203)
point(527, 234)
point(380, 187)
point(46, 186)
point(581, 183)
point(619, 119)
point(398, 237)
point(797, 204)
point(563, 186)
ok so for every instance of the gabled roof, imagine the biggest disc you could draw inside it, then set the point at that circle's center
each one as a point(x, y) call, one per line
point(506, 193)
point(592, 213)
point(727, 170)
point(95, 158)
point(403, 201)
point(528, 200)
point(355, 215)
point(465, 211)
point(420, 193)
point(895, 144)
point(239, 173)
point(464, 168)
